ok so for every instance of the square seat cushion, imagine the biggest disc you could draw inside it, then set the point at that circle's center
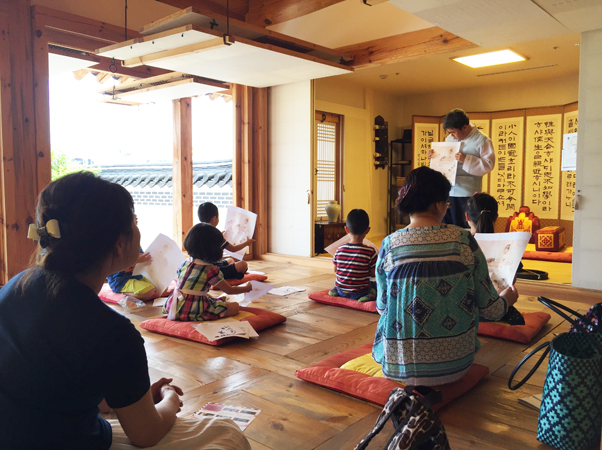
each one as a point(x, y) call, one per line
point(534, 322)
point(323, 297)
point(259, 319)
point(366, 385)
point(107, 295)
point(247, 277)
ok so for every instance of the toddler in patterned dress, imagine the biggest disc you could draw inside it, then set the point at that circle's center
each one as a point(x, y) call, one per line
point(190, 300)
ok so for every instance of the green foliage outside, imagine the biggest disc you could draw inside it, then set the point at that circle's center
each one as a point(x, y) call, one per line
point(62, 164)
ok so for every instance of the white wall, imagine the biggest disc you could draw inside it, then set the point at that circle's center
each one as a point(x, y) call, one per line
point(587, 246)
point(290, 117)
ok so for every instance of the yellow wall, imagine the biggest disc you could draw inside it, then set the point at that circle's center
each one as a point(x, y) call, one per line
point(365, 186)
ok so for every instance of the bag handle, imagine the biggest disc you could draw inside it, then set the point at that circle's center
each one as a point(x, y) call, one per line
point(560, 309)
point(545, 345)
point(428, 396)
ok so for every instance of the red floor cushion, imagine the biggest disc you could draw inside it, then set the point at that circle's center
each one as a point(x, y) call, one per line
point(260, 320)
point(107, 295)
point(534, 322)
point(323, 297)
point(329, 374)
point(246, 278)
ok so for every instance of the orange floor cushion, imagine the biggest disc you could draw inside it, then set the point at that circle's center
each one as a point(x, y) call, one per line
point(246, 278)
point(260, 319)
point(534, 322)
point(330, 374)
point(107, 295)
point(323, 297)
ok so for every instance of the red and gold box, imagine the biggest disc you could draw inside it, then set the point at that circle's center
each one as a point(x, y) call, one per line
point(549, 239)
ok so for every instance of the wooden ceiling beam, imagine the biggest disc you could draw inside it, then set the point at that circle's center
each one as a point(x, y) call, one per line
point(269, 12)
point(238, 8)
point(428, 41)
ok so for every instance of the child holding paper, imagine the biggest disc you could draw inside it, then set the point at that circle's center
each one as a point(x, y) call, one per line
point(481, 214)
point(191, 301)
point(208, 213)
point(355, 262)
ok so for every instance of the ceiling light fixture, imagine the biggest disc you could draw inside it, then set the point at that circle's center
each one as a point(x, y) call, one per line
point(490, 59)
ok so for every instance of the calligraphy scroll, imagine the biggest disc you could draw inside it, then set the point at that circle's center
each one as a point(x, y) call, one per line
point(506, 184)
point(542, 169)
point(424, 134)
point(567, 191)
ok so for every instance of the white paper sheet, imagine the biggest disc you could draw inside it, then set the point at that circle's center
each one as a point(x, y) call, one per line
point(332, 248)
point(503, 252)
point(569, 152)
point(444, 159)
point(160, 301)
point(225, 328)
point(166, 260)
point(239, 226)
point(285, 290)
point(259, 289)
point(256, 272)
point(240, 415)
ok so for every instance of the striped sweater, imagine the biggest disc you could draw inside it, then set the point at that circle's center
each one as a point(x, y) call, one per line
point(353, 264)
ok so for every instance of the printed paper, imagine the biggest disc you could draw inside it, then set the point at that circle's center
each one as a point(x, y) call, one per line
point(259, 289)
point(239, 226)
point(503, 252)
point(223, 329)
point(444, 159)
point(167, 258)
point(332, 248)
point(285, 290)
point(239, 414)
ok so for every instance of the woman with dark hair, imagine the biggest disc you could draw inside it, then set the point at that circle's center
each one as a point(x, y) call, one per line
point(63, 352)
point(432, 283)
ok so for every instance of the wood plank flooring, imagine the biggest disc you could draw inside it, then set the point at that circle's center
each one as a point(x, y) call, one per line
point(298, 415)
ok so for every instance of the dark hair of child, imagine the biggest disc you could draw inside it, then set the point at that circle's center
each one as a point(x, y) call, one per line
point(422, 188)
point(92, 214)
point(357, 221)
point(482, 211)
point(456, 118)
point(204, 242)
point(207, 211)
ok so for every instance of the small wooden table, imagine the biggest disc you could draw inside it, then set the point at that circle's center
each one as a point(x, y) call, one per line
point(326, 233)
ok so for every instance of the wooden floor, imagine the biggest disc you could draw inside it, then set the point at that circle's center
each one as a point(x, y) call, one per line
point(297, 415)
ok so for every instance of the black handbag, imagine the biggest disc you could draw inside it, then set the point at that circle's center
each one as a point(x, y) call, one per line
point(570, 416)
point(417, 427)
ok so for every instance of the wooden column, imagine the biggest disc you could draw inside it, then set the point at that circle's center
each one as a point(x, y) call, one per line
point(19, 153)
point(250, 162)
point(182, 169)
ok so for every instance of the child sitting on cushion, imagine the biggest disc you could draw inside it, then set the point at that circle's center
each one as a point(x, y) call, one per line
point(190, 300)
point(208, 213)
point(481, 214)
point(137, 286)
point(354, 262)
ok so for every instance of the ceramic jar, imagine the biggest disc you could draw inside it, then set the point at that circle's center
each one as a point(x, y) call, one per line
point(333, 209)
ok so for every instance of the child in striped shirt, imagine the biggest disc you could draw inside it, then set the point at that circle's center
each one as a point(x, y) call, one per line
point(354, 262)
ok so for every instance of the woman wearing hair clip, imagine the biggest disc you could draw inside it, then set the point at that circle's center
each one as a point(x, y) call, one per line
point(63, 352)
point(432, 284)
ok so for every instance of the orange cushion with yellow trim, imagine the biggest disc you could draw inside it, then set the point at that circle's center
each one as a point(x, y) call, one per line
point(534, 322)
point(259, 320)
point(323, 297)
point(329, 374)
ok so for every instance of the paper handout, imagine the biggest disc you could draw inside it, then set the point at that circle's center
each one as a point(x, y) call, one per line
point(225, 328)
point(444, 159)
point(259, 289)
point(241, 415)
point(240, 226)
point(167, 258)
point(285, 290)
point(569, 152)
point(332, 248)
point(503, 252)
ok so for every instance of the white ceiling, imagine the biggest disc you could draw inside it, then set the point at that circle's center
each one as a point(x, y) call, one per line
point(547, 32)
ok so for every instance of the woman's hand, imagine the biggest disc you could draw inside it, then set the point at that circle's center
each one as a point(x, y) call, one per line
point(160, 389)
point(510, 294)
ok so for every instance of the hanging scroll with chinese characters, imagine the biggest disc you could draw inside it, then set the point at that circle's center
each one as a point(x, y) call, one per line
point(567, 187)
point(424, 135)
point(506, 184)
point(543, 143)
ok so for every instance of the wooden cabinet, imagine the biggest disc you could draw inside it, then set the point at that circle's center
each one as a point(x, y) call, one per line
point(326, 233)
point(400, 165)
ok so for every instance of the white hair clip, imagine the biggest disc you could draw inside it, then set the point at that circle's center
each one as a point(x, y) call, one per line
point(51, 229)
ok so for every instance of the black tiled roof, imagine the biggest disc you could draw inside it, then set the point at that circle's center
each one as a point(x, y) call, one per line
point(159, 175)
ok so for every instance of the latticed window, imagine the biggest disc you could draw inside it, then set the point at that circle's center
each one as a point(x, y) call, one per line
point(328, 161)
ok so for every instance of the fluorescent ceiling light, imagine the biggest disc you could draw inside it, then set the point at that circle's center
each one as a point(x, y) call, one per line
point(490, 59)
